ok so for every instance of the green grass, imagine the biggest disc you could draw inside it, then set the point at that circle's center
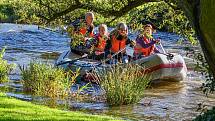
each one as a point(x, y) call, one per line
point(13, 109)
point(123, 84)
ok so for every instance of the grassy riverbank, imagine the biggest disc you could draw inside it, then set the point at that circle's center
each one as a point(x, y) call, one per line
point(13, 109)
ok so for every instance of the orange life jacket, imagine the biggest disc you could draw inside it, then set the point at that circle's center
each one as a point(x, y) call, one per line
point(101, 43)
point(83, 31)
point(145, 51)
point(117, 44)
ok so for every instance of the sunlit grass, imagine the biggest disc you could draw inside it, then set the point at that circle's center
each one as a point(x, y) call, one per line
point(123, 84)
point(5, 68)
point(46, 80)
point(12, 110)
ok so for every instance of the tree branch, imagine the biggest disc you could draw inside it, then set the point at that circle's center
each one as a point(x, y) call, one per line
point(88, 6)
point(122, 11)
point(64, 12)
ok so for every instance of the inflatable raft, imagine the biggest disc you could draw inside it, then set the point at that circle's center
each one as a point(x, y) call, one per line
point(159, 66)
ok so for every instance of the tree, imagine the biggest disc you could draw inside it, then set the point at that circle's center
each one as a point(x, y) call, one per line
point(200, 14)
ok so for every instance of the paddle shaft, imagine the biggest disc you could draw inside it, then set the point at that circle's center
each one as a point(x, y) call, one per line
point(165, 53)
point(112, 56)
point(72, 61)
point(162, 48)
point(115, 54)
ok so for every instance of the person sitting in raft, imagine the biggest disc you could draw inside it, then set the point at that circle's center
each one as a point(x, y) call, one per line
point(81, 30)
point(117, 42)
point(100, 42)
point(145, 44)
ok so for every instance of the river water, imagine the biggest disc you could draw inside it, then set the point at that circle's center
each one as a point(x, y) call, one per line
point(166, 101)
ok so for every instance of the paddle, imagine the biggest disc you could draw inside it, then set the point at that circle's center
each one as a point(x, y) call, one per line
point(169, 55)
point(72, 61)
point(86, 55)
point(107, 59)
point(161, 47)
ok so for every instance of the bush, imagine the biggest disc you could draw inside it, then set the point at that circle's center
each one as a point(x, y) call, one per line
point(45, 80)
point(5, 68)
point(123, 84)
point(208, 116)
point(7, 11)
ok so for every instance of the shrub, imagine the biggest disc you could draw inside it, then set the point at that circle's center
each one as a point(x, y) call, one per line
point(5, 68)
point(207, 116)
point(46, 80)
point(123, 84)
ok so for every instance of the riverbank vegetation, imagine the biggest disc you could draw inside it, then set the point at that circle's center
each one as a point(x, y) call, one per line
point(160, 13)
point(18, 11)
point(5, 68)
point(13, 110)
point(207, 116)
point(45, 80)
point(123, 84)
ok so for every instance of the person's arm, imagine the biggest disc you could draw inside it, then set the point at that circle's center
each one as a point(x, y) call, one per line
point(149, 44)
point(90, 29)
point(131, 42)
point(128, 41)
point(96, 41)
point(108, 47)
point(141, 42)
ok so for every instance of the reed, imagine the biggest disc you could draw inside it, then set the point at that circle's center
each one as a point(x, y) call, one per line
point(46, 80)
point(123, 84)
point(5, 68)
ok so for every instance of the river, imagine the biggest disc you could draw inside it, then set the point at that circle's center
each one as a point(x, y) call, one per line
point(167, 101)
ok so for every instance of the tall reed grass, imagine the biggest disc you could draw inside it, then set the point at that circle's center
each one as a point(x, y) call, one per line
point(5, 68)
point(123, 84)
point(46, 80)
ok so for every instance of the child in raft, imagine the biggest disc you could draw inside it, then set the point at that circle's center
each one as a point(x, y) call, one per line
point(100, 42)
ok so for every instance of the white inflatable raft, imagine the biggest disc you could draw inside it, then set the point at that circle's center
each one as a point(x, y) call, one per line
point(160, 66)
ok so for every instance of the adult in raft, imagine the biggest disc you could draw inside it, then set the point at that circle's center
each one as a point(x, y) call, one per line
point(145, 44)
point(82, 33)
point(118, 40)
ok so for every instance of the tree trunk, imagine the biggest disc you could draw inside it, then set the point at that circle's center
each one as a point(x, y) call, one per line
point(207, 31)
point(201, 14)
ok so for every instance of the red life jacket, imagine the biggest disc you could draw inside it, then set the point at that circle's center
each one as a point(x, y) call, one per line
point(145, 51)
point(117, 44)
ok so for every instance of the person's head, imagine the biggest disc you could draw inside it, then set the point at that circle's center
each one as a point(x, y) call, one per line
point(103, 29)
point(122, 29)
point(89, 17)
point(148, 29)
